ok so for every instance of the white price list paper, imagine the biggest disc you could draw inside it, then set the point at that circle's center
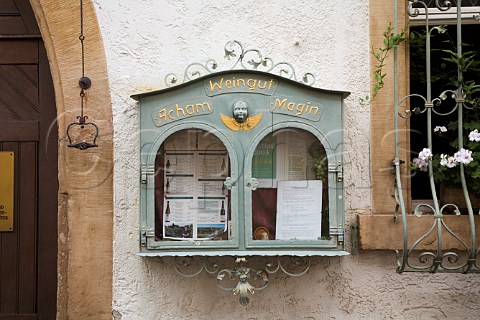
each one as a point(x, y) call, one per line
point(195, 205)
point(299, 210)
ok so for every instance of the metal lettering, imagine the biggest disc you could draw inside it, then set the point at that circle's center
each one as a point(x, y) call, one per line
point(176, 112)
point(223, 85)
point(296, 108)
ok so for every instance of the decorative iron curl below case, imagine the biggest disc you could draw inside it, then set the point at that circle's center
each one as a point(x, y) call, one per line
point(250, 59)
point(248, 279)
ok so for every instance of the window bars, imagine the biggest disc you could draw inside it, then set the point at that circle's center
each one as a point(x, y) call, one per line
point(464, 3)
point(457, 101)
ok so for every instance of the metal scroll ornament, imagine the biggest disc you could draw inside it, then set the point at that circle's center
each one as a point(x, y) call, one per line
point(241, 279)
point(246, 59)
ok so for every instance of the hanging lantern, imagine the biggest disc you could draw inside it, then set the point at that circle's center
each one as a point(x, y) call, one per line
point(82, 134)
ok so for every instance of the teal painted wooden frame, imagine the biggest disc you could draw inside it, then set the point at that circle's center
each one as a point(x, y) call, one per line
point(282, 103)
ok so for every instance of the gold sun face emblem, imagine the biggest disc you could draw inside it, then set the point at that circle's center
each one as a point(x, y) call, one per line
point(240, 121)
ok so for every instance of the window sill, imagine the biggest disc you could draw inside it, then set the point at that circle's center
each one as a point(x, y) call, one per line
point(380, 232)
point(246, 253)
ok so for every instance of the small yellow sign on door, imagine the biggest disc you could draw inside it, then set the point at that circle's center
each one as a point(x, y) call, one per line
point(7, 176)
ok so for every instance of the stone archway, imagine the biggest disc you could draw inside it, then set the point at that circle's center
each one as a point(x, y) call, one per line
point(85, 211)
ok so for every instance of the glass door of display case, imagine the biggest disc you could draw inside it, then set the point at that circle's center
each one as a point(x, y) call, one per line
point(291, 189)
point(192, 206)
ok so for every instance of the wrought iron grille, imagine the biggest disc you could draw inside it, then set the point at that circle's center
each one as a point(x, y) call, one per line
point(465, 3)
point(458, 100)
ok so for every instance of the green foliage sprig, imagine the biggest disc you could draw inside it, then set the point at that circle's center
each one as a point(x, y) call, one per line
point(390, 41)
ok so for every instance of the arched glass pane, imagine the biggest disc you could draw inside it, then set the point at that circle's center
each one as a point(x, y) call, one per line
point(291, 201)
point(191, 202)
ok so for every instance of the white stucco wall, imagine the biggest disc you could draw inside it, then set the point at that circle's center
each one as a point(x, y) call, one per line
point(147, 39)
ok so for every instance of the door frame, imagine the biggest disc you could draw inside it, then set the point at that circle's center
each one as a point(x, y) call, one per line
point(85, 202)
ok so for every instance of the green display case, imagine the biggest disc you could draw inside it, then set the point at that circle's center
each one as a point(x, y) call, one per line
point(241, 163)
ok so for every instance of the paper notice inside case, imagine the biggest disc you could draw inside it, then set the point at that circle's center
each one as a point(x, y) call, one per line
point(212, 165)
point(179, 184)
point(179, 163)
point(299, 210)
point(296, 158)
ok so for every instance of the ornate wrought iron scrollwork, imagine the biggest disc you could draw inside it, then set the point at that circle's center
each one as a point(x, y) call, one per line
point(191, 267)
point(246, 59)
point(84, 138)
point(82, 123)
point(427, 253)
point(242, 279)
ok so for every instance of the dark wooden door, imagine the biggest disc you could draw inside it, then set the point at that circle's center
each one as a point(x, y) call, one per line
point(28, 254)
